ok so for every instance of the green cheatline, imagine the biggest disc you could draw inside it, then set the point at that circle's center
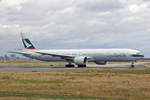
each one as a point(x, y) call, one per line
point(46, 96)
point(138, 55)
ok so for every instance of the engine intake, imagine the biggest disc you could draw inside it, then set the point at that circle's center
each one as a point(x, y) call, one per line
point(80, 60)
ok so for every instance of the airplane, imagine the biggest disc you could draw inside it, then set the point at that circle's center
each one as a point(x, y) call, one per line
point(79, 57)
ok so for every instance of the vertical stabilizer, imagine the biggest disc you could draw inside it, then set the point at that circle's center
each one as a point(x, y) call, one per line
point(26, 42)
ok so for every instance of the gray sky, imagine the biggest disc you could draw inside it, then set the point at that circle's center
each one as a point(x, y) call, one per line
point(76, 24)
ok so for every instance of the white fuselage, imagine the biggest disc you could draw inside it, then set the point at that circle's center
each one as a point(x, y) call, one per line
point(95, 55)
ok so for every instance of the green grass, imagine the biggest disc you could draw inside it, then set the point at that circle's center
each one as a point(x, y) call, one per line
point(97, 72)
point(76, 85)
point(60, 97)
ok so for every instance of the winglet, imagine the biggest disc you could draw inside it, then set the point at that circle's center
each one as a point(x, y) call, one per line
point(26, 42)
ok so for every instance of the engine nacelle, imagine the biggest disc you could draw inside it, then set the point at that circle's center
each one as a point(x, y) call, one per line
point(101, 62)
point(80, 60)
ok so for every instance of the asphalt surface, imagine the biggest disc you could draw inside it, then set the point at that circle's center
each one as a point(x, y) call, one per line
point(32, 69)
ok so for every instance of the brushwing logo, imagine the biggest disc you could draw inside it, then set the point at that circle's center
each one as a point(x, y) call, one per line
point(27, 44)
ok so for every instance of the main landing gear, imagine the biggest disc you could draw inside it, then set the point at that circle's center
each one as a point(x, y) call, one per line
point(70, 65)
point(132, 64)
point(81, 66)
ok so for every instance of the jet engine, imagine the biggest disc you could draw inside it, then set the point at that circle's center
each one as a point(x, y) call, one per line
point(101, 62)
point(80, 60)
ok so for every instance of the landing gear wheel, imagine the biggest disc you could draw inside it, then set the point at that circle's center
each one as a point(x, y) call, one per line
point(132, 64)
point(69, 66)
point(81, 66)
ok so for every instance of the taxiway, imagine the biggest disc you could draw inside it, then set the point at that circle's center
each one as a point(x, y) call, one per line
point(31, 69)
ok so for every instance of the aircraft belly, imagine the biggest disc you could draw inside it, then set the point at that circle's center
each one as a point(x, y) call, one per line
point(112, 58)
point(50, 58)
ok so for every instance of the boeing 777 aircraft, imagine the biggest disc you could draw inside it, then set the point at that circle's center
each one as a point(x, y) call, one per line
point(79, 57)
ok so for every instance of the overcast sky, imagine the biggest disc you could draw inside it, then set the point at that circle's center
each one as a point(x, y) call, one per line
point(58, 24)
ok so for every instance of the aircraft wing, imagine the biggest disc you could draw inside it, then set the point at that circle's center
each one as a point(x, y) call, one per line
point(21, 53)
point(42, 53)
point(57, 55)
point(67, 57)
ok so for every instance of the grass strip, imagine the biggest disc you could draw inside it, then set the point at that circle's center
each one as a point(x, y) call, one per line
point(62, 97)
point(127, 71)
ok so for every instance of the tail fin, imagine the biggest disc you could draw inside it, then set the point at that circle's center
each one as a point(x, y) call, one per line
point(26, 42)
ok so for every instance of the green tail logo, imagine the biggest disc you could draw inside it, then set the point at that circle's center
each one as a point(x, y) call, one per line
point(27, 43)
